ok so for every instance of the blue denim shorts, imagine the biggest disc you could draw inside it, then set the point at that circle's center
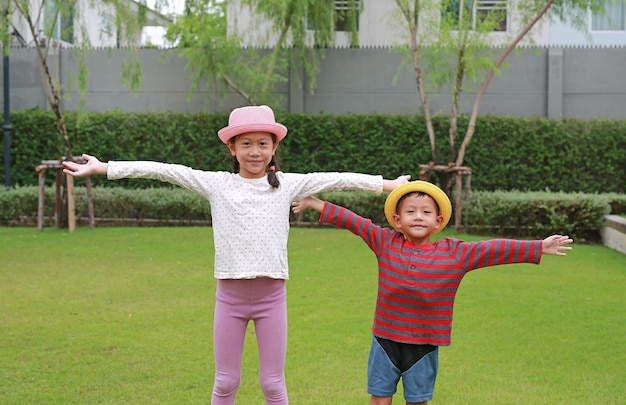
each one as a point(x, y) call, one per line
point(418, 381)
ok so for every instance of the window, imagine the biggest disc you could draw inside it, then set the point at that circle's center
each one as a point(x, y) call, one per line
point(613, 20)
point(346, 14)
point(492, 13)
point(108, 24)
point(61, 26)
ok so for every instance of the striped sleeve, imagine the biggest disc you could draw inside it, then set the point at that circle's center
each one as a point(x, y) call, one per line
point(364, 227)
point(494, 252)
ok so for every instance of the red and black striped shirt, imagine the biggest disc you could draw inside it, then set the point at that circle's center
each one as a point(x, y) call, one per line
point(417, 284)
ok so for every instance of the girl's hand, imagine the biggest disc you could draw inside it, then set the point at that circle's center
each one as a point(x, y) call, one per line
point(390, 185)
point(553, 245)
point(93, 166)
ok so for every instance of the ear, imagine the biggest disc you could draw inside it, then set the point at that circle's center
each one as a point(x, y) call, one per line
point(231, 147)
point(439, 221)
point(275, 147)
point(396, 220)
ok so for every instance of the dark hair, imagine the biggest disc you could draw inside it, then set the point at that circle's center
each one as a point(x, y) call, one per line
point(418, 194)
point(273, 166)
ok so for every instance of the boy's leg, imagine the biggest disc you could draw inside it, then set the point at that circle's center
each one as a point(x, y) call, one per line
point(270, 323)
point(382, 375)
point(419, 380)
point(376, 400)
point(229, 330)
point(387, 401)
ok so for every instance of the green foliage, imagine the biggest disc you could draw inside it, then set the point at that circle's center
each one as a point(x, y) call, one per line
point(508, 214)
point(279, 33)
point(507, 153)
point(150, 206)
point(536, 215)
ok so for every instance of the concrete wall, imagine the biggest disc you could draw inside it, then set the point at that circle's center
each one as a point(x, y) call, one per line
point(613, 233)
point(552, 82)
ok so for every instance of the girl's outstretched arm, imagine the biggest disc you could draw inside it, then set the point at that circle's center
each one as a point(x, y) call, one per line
point(389, 185)
point(308, 202)
point(553, 245)
point(93, 166)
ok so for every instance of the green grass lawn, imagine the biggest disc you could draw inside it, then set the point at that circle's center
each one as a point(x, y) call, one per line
point(124, 316)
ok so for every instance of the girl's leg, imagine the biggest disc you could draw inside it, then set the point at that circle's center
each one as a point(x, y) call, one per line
point(270, 322)
point(229, 330)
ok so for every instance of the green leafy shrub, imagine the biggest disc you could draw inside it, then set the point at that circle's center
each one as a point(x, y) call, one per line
point(506, 153)
point(536, 214)
point(507, 214)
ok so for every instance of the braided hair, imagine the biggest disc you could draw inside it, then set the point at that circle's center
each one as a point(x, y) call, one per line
point(273, 167)
point(271, 174)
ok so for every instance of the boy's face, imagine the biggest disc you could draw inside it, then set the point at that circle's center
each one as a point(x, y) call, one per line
point(417, 217)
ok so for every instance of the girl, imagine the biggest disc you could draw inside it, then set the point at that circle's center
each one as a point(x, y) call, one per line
point(250, 214)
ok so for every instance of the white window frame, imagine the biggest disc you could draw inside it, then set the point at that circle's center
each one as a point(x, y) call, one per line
point(107, 21)
point(342, 6)
point(608, 20)
point(50, 8)
point(486, 5)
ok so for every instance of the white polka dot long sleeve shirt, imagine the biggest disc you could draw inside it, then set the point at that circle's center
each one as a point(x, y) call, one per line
point(250, 219)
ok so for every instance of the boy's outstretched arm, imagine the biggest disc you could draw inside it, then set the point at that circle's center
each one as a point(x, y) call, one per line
point(390, 185)
point(553, 245)
point(308, 202)
point(93, 166)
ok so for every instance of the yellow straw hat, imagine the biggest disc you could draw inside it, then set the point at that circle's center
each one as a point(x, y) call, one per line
point(445, 207)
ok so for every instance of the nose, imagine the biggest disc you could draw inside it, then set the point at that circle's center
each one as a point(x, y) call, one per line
point(255, 150)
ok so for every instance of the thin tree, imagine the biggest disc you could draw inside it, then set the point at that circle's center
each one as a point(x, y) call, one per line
point(457, 42)
point(56, 25)
point(299, 31)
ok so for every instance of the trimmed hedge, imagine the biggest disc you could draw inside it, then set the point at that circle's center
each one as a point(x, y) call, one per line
point(19, 205)
point(506, 153)
point(506, 214)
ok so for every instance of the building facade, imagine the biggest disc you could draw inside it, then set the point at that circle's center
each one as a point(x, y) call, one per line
point(600, 30)
point(79, 22)
point(380, 24)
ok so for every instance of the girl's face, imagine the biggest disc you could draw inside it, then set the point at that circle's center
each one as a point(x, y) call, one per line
point(253, 151)
point(417, 218)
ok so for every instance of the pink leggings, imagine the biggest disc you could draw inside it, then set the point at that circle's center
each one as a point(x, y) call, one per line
point(262, 300)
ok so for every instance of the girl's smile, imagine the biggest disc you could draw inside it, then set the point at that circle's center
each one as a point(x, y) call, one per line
point(253, 151)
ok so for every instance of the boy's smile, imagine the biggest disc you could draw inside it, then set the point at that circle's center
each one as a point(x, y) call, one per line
point(418, 217)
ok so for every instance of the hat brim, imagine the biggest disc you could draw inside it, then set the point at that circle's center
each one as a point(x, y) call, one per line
point(228, 132)
point(445, 206)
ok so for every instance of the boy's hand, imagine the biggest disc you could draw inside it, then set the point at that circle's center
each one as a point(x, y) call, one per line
point(553, 245)
point(307, 202)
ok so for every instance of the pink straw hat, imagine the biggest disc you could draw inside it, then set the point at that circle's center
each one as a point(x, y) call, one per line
point(252, 119)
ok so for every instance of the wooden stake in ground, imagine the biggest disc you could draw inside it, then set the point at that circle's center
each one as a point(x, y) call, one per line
point(71, 206)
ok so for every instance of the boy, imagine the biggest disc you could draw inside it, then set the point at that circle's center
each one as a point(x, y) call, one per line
point(417, 282)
